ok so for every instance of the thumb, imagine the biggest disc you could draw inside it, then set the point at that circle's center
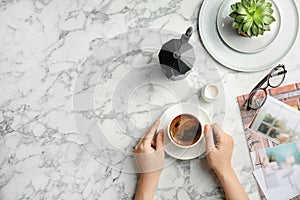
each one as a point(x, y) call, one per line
point(160, 140)
point(209, 138)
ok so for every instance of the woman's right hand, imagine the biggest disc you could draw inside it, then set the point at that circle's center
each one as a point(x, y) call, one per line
point(219, 154)
point(219, 159)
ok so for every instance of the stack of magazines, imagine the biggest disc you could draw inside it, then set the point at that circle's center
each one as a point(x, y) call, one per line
point(273, 138)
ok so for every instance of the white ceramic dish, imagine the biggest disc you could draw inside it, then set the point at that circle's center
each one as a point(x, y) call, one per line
point(248, 62)
point(170, 114)
point(240, 43)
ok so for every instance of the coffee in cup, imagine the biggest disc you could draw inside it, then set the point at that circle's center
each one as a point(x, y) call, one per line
point(185, 130)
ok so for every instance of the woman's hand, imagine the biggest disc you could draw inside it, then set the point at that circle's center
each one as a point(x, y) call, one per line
point(219, 154)
point(219, 159)
point(149, 156)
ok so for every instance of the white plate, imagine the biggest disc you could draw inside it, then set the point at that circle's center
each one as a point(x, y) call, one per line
point(207, 25)
point(171, 113)
point(238, 42)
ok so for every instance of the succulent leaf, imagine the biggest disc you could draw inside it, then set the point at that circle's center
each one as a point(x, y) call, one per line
point(268, 19)
point(233, 15)
point(260, 31)
point(240, 28)
point(269, 4)
point(247, 18)
point(254, 29)
point(253, 5)
point(249, 33)
point(269, 11)
point(260, 2)
point(235, 25)
point(240, 18)
point(233, 7)
point(247, 26)
point(245, 3)
point(252, 16)
point(267, 27)
point(240, 9)
point(259, 22)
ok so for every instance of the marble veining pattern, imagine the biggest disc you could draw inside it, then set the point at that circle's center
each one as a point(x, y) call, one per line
point(130, 91)
point(42, 47)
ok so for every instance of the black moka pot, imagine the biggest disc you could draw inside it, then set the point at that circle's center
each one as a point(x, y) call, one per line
point(177, 56)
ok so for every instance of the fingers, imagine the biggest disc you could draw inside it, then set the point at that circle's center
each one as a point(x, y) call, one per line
point(212, 131)
point(160, 140)
point(153, 129)
point(147, 139)
point(217, 130)
point(209, 138)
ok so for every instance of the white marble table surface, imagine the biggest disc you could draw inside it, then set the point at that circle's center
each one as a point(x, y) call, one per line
point(42, 46)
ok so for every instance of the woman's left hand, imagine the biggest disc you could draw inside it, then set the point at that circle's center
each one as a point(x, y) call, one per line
point(149, 156)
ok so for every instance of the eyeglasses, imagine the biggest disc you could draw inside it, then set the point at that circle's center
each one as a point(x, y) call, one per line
point(258, 95)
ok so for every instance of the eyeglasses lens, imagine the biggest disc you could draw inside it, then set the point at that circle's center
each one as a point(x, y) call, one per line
point(258, 99)
point(276, 76)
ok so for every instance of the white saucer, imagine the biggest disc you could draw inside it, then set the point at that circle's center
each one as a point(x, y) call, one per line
point(171, 113)
point(238, 42)
point(248, 62)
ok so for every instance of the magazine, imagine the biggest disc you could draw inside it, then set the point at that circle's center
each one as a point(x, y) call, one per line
point(263, 132)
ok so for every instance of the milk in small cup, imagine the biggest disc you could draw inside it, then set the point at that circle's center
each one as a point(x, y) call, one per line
point(209, 92)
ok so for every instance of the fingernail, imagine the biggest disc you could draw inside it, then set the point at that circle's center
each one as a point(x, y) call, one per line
point(206, 128)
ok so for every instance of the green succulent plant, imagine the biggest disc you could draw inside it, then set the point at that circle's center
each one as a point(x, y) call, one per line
point(252, 17)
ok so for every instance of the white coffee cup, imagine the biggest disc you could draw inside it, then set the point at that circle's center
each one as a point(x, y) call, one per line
point(197, 139)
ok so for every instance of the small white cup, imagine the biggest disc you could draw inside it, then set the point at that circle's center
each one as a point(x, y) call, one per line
point(209, 92)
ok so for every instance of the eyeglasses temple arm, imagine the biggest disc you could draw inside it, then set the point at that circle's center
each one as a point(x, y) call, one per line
point(279, 73)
